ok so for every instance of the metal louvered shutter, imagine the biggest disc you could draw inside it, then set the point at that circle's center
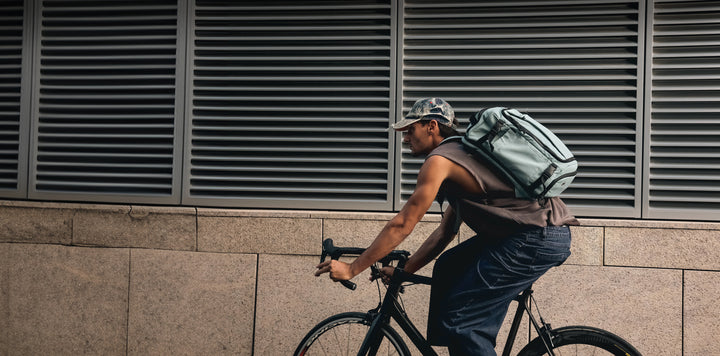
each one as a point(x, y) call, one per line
point(682, 179)
point(290, 104)
point(572, 65)
point(12, 128)
point(106, 123)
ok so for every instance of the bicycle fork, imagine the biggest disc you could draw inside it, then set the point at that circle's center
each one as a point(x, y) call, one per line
point(379, 316)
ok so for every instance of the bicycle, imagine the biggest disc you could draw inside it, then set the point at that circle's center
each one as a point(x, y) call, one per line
point(370, 333)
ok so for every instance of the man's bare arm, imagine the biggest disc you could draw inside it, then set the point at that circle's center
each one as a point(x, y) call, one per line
point(431, 176)
point(434, 244)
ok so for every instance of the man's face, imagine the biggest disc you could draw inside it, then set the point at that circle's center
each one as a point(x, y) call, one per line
point(418, 138)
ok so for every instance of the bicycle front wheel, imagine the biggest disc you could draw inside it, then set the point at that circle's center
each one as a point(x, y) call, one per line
point(581, 340)
point(343, 334)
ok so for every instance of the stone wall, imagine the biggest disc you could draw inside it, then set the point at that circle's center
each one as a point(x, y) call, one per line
point(138, 280)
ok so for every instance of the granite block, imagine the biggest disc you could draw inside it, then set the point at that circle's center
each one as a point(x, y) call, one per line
point(361, 215)
point(701, 313)
point(36, 224)
point(587, 246)
point(663, 248)
point(656, 224)
point(296, 214)
point(259, 235)
point(291, 300)
point(643, 306)
point(361, 233)
point(4, 297)
point(191, 303)
point(136, 226)
point(65, 300)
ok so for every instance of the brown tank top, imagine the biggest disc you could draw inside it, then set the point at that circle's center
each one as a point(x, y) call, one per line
point(496, 213)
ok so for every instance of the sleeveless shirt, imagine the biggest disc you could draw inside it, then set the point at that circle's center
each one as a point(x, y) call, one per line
point(496, 213)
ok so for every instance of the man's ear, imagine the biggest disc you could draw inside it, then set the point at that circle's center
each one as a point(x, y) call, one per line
point(432, 125)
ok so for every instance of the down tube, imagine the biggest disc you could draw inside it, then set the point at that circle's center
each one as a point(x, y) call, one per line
point(415, 336)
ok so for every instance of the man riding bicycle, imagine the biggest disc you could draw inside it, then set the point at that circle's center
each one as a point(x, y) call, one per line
point(517, 240)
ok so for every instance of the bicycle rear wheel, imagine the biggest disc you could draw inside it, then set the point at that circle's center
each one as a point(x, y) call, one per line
point(581, 340)
point(343, 334)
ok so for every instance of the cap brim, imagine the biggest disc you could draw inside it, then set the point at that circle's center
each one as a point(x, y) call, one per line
point(405, 123)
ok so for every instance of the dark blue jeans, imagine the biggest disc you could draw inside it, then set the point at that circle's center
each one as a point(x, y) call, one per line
point(474, 283)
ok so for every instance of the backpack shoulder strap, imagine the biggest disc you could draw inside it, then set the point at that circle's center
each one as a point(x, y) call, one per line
point(440, 198)
point(458, 219)
point(451, 139)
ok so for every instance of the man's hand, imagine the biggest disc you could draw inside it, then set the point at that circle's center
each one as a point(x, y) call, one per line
point(384, 273)
point(339, 271)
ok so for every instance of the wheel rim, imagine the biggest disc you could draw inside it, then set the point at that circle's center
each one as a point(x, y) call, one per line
point(344, 337)
point(580, 349)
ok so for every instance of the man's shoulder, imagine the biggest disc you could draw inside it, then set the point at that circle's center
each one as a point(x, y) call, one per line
point(454, 151)
point(448, 145)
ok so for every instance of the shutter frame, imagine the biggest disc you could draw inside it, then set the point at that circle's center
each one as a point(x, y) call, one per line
point(682, 154)
point(578, 75)
point(107, 110)
point(14, 96)
point(292, 111)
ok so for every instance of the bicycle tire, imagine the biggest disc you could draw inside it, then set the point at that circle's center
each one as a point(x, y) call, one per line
point(343, 334)
point(581, 340)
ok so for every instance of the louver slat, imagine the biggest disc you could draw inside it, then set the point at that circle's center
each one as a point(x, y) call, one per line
point(683, 170)
point(290, 105)
point(573, 65)
point(106, 127)
point(11, 48)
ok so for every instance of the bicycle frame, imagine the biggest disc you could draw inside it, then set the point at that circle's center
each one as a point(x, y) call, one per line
point(390, 309)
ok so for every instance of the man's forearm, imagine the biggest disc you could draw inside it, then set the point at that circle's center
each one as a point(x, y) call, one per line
point(433, 245)
point(430, 249)
point(389, 238)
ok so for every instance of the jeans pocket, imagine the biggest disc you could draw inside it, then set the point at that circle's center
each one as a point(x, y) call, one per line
point(551, 249)
point(544, 261)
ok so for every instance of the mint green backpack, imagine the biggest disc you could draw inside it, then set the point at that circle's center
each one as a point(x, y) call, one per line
point(536, 161)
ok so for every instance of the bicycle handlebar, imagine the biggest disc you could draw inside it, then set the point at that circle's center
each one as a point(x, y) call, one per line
point(329, 249)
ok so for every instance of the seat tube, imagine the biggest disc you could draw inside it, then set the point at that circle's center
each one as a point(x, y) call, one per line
point(522, 305)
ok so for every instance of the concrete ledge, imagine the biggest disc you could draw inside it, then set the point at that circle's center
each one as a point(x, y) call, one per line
point(253, 213)
point(260, 235)
point(663, 248)
point(36, 224)
point(587, 246)
point(136, 226)
point(360, 233)
point(657, 224)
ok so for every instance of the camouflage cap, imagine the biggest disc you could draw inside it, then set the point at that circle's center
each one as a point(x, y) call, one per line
point(428, 108)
